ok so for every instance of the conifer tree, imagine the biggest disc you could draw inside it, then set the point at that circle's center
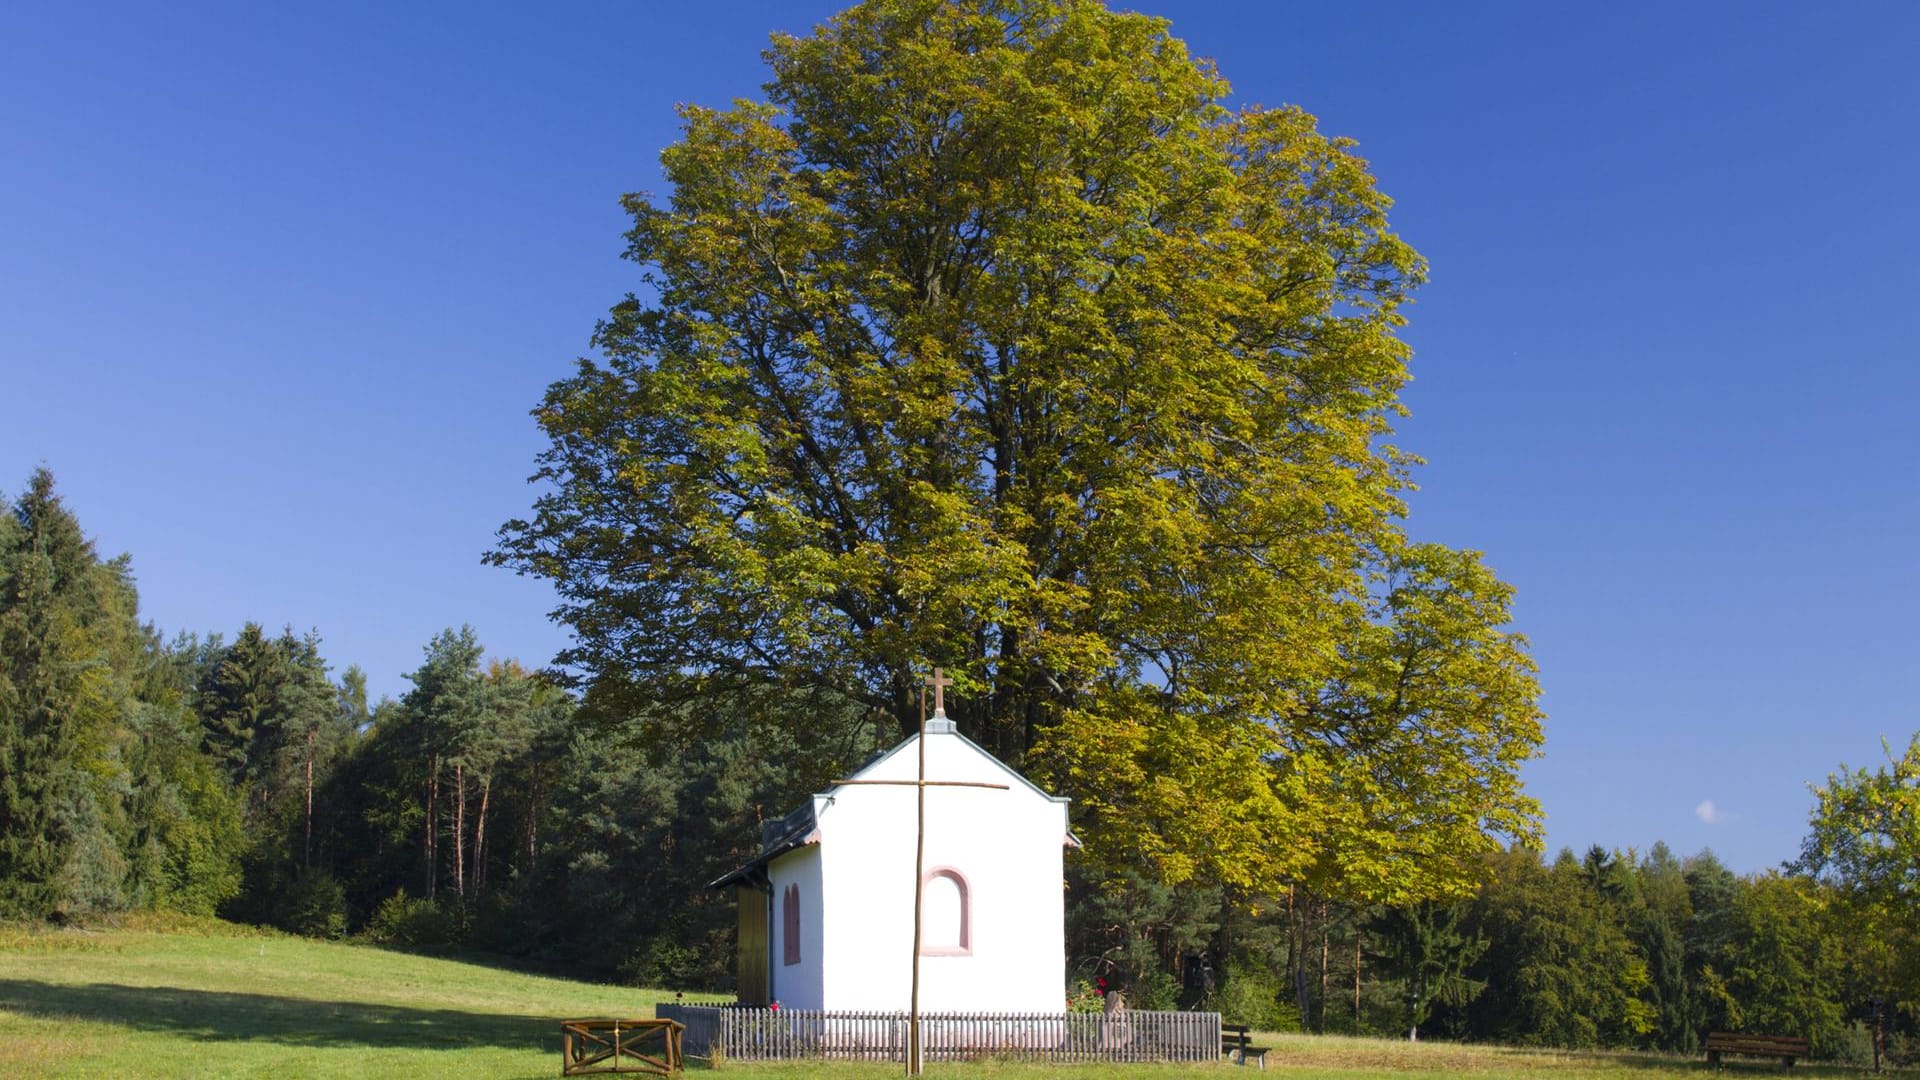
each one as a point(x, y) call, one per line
point(67, 639)
point(443, 713)
point(1432, 946)
point(237, 698)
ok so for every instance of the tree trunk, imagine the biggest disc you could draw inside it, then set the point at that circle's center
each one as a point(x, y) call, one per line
point(306, 851)
point(1296, 958)
point(533, 816)
point(533, 811)
point(460, 831)
point(1326, 954)
point(480, 836)
point(433, 811)
point(1358, 937)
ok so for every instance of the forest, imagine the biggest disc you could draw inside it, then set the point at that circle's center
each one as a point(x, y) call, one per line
point(486, 812)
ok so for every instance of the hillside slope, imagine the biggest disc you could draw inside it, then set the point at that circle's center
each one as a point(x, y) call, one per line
point(212, 1000)
point(206, 999)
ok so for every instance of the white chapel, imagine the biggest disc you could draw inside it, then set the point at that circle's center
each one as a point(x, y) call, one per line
point(826, 906)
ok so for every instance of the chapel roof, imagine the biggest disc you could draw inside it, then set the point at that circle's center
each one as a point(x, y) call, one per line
point(800, 827)
point(777, 837)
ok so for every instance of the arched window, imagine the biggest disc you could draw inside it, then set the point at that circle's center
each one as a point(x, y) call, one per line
point(790, 924)
point(946, 916)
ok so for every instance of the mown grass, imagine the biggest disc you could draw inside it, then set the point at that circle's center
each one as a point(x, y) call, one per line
point(207, 999)
point(213, 1000)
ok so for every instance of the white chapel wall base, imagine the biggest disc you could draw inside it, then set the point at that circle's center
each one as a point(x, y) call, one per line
point(1008, 844)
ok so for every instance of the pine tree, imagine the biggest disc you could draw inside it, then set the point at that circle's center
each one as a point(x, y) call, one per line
point(66, 628)
point(237, 697)
point(443, 710)
point(1432, 947)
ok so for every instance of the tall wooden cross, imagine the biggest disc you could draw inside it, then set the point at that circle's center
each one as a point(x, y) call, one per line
point(939, 682)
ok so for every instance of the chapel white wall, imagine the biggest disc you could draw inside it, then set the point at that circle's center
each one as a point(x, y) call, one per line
point(1009, 846)
point(798, 986)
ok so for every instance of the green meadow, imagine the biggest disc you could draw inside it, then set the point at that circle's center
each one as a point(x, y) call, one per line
point(207, 999)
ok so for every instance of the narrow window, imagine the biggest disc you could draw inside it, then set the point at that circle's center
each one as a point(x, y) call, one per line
point(790, 924)
point(945, 916)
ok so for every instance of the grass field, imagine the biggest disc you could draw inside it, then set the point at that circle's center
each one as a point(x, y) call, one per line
point(210, 1000)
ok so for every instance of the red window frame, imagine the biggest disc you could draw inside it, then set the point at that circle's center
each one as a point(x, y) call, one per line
point(965, 946)
point(790, 925)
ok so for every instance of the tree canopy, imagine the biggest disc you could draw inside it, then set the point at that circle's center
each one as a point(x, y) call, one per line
point(1864, 837)
point(993, 339)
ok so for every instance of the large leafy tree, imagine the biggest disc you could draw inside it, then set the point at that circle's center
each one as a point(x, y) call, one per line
point(1865, 830)
point(992, 339)
point(1864, 838)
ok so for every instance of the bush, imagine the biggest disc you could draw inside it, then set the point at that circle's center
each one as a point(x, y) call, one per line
point(1154, 990)
point(91, 881)
point(663, 962)
point(1853, 1046)
point(313, 905)
point(1251, 996)
point(412, 922)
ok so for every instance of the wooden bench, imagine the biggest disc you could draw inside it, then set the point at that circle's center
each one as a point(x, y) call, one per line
point(1236, 1042)
point(1785, 1047)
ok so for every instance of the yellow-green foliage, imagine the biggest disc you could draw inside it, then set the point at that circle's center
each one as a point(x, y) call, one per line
point(994, 339)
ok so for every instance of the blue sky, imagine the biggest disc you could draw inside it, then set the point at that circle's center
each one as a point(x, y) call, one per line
point(279, 285)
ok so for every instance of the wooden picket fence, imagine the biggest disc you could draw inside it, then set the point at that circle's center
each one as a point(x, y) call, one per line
point(751, 1034)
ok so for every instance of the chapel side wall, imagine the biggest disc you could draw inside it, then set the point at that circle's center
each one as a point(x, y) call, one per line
point(798, 986)
point(1007, 845)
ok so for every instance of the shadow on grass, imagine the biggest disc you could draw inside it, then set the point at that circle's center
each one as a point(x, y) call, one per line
point(221, 1016)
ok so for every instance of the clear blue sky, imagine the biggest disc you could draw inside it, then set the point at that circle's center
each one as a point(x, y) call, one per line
point(279, 285)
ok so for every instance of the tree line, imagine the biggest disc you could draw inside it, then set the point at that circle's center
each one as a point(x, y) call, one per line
point(485, 810)
point(1610, 949)
point(244, 778)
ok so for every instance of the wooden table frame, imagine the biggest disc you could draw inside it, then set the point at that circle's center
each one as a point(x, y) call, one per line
point(630, 1044)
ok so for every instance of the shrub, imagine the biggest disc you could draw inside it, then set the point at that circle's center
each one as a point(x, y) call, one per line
point(663, 962)
point(412, 922)
point(313, 904)
point(1153, 990)
point(1251, 996)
